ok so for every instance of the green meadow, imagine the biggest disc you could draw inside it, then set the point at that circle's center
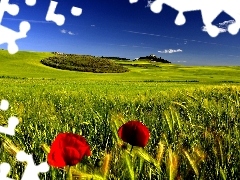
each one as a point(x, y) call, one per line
point(192, 113)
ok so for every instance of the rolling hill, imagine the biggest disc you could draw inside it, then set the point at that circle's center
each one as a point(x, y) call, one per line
point(27, 65)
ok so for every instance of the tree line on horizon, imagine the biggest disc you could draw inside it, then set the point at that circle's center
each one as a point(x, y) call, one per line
point(83, 63)
point(155, 58)
point(150, 57)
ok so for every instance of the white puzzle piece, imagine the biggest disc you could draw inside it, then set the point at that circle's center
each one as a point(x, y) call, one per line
point(4, 105)
point(75, 11)
point(30, 2)
point(31, 171)
point(209, 10)
point(8, 35)
point(4, 170)
point(59, 19)
point(10, 129)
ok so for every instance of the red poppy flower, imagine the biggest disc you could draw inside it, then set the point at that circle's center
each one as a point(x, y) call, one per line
point(68, 149)
point(134, 133)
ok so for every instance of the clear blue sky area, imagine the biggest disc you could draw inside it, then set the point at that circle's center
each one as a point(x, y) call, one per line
point(118, 28)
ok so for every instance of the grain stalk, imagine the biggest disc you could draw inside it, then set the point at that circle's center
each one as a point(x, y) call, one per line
point(106, 165)
point(160, 152)
point(130, 166)
point(192, 162)
point(172, 164)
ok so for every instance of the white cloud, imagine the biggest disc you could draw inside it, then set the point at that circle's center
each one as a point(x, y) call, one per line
point(170, 51)
point(221, 26)
point(64, 31)
point(93, 25)
point(226, 23)
point(71, 33)
point(179, 61)
point(182, 61)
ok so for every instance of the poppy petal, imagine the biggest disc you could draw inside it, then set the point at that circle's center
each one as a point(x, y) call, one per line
point(55, 158)
point(134, 133)
point(72, 156)
point(68, 149)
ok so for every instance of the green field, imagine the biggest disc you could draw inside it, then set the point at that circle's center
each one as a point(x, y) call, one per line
point(27, 65)
point(192, 113)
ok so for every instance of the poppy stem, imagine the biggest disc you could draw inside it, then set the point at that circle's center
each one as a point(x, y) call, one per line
point(69, 173)
point(131, 149)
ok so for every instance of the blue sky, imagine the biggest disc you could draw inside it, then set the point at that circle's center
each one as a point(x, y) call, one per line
point(118, 28)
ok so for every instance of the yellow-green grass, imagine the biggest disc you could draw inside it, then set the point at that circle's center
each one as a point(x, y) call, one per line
point(194, 125)
point(200, 126)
